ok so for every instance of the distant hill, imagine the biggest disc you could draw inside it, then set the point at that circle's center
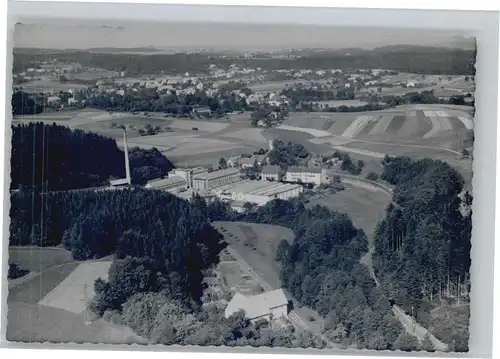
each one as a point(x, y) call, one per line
point(117, 50)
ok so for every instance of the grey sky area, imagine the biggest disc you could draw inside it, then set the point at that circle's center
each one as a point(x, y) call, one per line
point(84, 34)
point(236, 27)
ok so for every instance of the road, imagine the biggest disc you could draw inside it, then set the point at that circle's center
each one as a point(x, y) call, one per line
point(413, 328)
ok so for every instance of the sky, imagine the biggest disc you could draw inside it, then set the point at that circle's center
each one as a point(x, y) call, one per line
point(60, 34)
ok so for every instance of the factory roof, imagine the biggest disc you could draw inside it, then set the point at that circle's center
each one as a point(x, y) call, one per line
point(192, 169)
point(304, 169)
point(271, 169)
point(218, 174)
point(118, 182)
point(280, 188)
point(257, 188)
point(160, 183)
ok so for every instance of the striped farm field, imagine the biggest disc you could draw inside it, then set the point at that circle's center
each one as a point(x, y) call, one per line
point(369, 126)
point(381, 125)
point(410, 127)
point(395, 125)
point(357, 126)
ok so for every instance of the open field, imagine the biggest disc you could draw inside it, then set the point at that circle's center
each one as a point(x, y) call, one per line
point(252, 134)
point(133, 124)
point(34, 289)
point(257, 244)
point(205, 126)
point(236, 279)
point(364, 206)
point(298, 137)
point(77, 288)
point(38, 323)
point(313, 132)
point(36, 259)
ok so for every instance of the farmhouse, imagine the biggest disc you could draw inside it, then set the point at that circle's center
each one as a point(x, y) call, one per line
point(170, 184)
point(208, 181)
point(188, 174)
point(269, 305)
point(305, 175)
point(258, 192)
point(247, 162)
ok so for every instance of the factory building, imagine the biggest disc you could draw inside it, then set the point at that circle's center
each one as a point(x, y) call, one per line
point(314, 176)
point(258, 192)
point(208, 181)
point(170, 184)
point(271, 173)
point(188, 174)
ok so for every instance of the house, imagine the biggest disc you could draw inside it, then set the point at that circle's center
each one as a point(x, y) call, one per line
point(53, 99)
point(268, 305)
point(247, 162)
point(314, 176)
point(271, 173)
point(411, 84)
point(202, 112)
point(233, 161)
point(260, 159)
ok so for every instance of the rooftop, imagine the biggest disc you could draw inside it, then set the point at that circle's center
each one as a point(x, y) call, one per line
point(171, 180)
point(118, 182)
point(304, 169)
point(271, 169)
point(218, 174)
point(258, 305)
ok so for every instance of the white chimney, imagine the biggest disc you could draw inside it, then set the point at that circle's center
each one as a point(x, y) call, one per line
point(127, 164)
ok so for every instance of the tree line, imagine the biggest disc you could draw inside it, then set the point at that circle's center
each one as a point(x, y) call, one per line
point(53, 157)
point(424, 241)
point(414, 59)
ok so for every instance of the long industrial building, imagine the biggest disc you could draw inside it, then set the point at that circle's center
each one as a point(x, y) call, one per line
point(169, 184)
point(208, 181)
point(188, 174)
point(258, 192)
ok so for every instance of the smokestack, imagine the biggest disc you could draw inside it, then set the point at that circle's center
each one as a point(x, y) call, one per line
point(127, 164)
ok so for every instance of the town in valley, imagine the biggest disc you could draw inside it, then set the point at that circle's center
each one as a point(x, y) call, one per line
point(300, 197)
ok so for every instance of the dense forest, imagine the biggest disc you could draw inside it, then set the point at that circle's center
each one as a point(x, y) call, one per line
point(160, 242)
point(57, 158)
point(423, 244)
point(415, 59)
point(24, 104)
